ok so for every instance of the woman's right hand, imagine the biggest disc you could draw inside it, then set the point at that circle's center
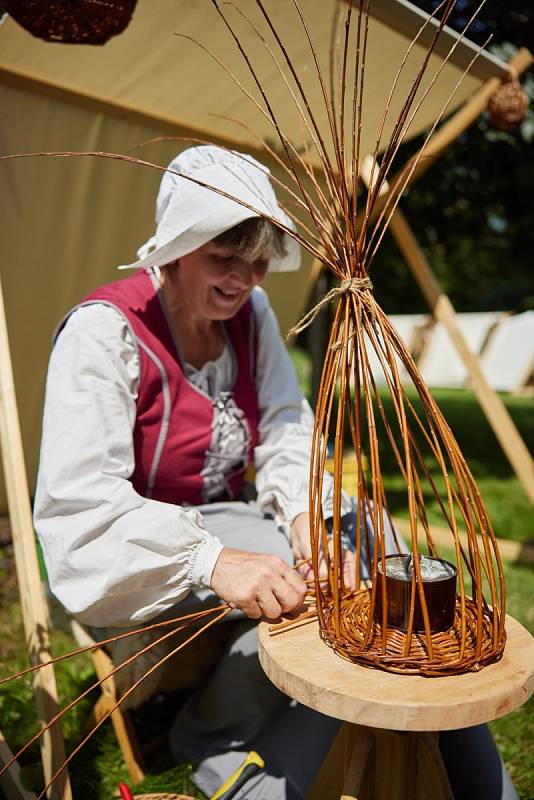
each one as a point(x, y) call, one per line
point(259, 585)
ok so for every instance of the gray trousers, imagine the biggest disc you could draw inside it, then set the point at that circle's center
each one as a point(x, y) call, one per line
point(238, 709)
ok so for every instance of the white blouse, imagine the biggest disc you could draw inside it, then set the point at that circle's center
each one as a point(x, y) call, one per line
point(114, 557)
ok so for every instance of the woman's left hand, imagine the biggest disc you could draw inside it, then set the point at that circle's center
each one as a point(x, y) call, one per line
point(300, 541)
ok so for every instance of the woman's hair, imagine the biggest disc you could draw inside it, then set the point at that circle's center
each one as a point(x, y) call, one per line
point(253, 239)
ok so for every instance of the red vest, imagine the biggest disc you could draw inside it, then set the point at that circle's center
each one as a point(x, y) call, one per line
point(173, 427)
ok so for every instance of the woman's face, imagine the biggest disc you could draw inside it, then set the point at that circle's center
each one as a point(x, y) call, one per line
point(212, 283)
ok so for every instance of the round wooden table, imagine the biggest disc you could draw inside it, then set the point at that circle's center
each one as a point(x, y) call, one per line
point(388, 748)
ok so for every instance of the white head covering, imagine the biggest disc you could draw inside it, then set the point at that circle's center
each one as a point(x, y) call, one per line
point(189, 215)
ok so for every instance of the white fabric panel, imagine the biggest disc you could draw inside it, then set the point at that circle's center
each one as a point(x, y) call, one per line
point(407, 326)
point(508, 361)
point(440, 364)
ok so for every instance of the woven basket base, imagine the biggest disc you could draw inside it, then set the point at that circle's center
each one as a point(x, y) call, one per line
point(446, 658)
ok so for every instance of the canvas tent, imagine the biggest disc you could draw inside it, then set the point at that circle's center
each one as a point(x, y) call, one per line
point(66, 224)
point(508, 360)
point(440, 364)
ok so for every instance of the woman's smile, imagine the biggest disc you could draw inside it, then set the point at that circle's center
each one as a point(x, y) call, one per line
point(212, 283)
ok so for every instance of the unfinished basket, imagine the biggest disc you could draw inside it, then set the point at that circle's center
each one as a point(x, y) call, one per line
point(376, 625)
point(416, 614)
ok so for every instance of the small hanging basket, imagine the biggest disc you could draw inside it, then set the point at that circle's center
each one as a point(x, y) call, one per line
point(509, 105)
point(72, 21)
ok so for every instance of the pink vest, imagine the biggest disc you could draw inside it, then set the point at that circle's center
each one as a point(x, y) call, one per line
point(175, 421)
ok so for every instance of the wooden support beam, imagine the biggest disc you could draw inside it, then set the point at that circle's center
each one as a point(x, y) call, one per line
point(34, 608)
point(442, 309)
point(121, 721)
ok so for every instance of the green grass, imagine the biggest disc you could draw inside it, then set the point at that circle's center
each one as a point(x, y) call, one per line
point(509, 509)
point(96, 771)
point(508, 506)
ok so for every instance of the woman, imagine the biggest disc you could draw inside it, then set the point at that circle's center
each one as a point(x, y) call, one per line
point(162, 390)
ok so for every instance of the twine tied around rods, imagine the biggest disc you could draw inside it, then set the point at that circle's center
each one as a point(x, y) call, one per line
point(348, 286)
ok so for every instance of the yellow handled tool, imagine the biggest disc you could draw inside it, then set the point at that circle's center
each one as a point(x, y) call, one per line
point(252, 764)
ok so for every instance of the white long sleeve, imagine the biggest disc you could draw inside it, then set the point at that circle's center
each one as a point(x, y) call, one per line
point(113, 556)
point(282, 457)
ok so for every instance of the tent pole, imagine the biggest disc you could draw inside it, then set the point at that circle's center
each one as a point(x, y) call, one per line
point(442, 309)
point(34, 608)
point(10, 782)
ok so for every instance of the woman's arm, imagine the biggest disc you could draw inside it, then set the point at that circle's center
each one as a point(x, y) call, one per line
point(282, 457)
point(113, 557)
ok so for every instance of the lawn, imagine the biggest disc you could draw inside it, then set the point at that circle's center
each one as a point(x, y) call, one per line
point(509, 509)
point(97, 770)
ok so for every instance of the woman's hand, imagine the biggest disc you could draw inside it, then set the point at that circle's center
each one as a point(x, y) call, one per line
point(259, 585)
point(300, 542)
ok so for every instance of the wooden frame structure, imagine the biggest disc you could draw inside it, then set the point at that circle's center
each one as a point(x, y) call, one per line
point(34, 608)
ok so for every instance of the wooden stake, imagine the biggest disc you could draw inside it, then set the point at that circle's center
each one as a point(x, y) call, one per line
point(10, 781)
point(120, 719)
point(442, 309)
point(34, 608)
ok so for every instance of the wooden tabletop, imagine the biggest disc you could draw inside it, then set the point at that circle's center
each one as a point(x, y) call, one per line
point(302, 666)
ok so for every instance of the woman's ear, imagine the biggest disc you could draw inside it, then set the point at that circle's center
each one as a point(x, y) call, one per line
point(168, 271)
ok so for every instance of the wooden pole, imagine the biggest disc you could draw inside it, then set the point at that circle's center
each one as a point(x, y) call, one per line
point(34, 608)
point(10, 781)
point(442, 309)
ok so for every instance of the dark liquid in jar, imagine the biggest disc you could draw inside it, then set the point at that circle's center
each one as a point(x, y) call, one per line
point(440, 596)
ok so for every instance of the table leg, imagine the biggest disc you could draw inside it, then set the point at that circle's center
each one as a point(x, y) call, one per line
point(375, 764)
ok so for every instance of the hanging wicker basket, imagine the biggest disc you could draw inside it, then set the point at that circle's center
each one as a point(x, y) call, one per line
point(509, 105)
point(72, 21)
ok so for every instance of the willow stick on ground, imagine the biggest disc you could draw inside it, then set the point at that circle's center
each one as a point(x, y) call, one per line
point(99, 683)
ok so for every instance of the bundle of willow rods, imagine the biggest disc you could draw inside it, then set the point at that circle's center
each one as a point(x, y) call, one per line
point(346, 237)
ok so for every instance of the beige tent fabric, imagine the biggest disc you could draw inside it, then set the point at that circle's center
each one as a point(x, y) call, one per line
point(149, 68)
point(66, 224)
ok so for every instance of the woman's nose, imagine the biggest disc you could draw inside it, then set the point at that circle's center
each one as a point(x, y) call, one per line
point(245, 271)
